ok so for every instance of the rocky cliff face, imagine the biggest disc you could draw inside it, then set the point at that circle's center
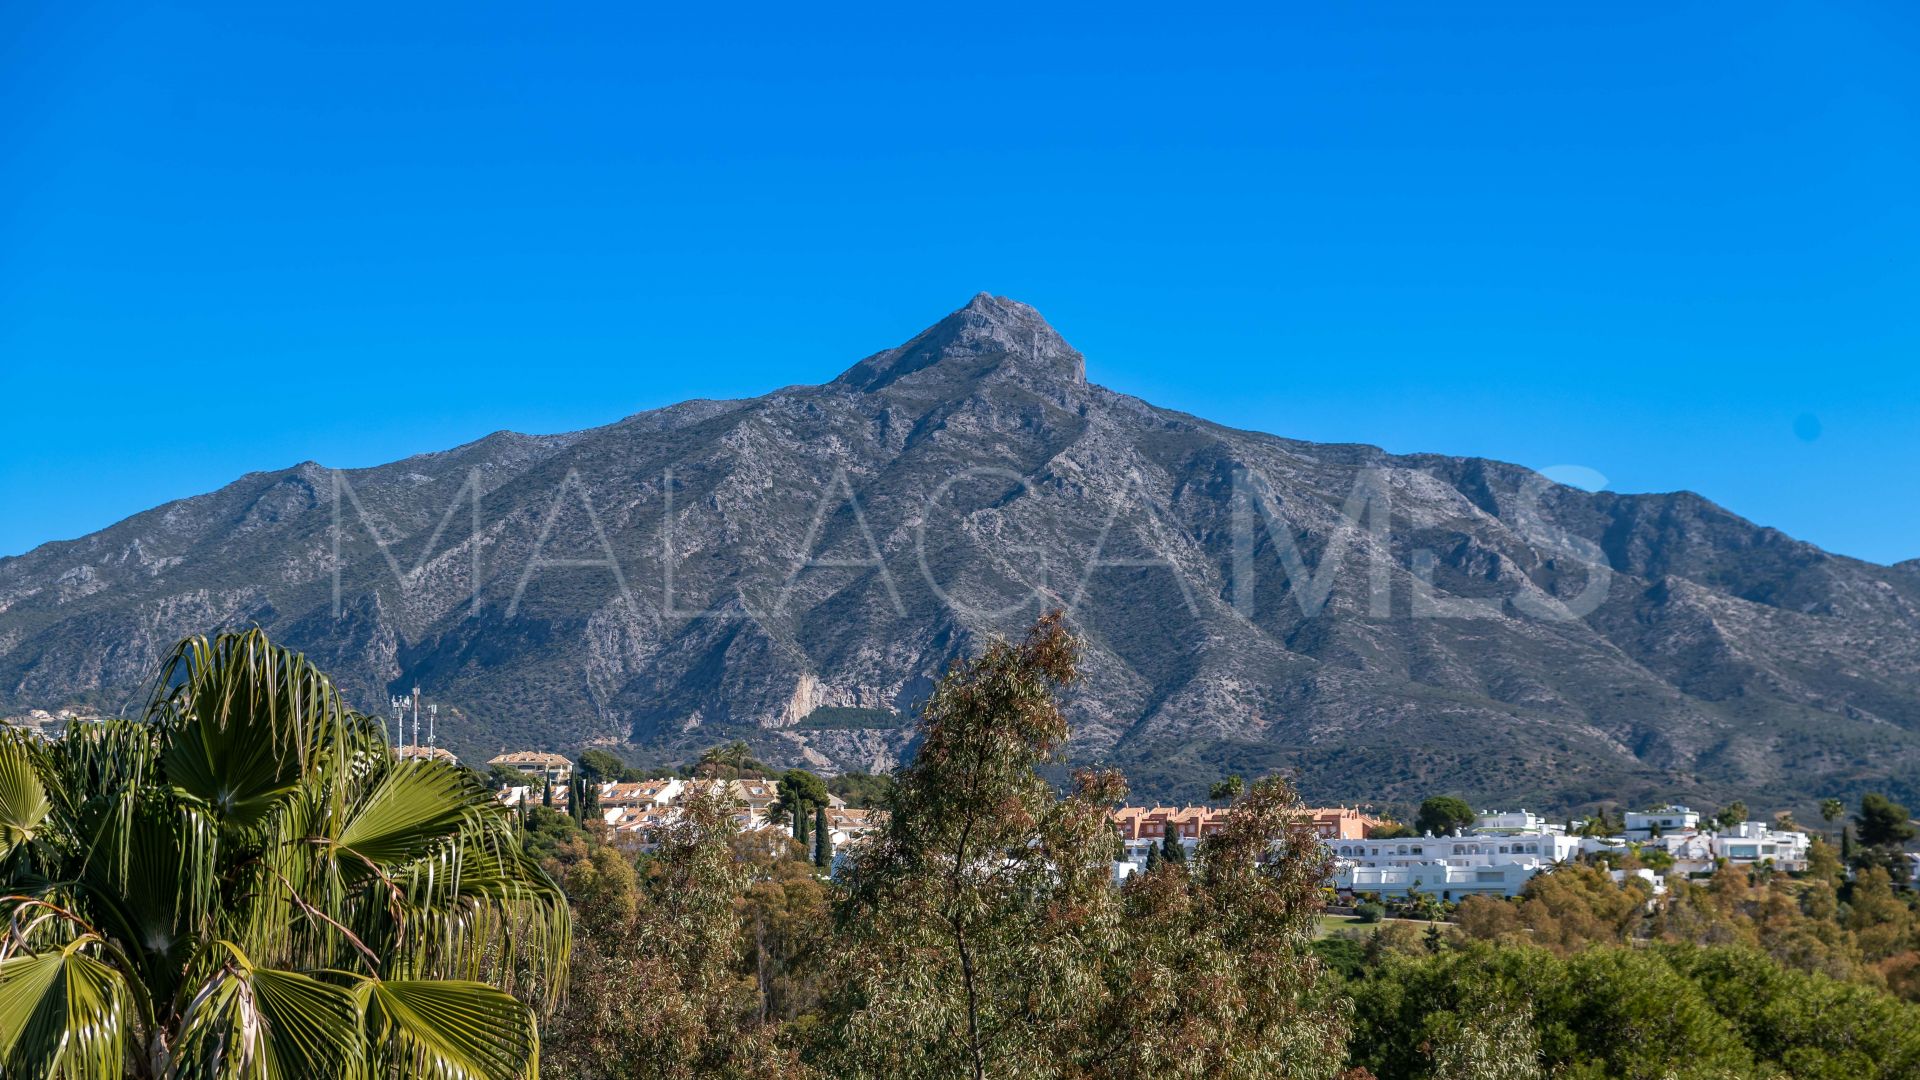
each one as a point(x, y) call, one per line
point(798, 569)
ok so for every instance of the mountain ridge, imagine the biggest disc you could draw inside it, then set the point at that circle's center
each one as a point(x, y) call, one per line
point(644, 584)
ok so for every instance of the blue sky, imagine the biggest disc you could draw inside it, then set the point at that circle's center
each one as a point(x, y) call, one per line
point(1678, 245)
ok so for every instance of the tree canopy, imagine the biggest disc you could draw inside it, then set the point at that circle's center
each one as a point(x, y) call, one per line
point(1882, 822)
point(1443, 814)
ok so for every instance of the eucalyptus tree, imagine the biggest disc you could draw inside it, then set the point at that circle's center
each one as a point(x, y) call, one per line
point(970, 931)
point(247, 883)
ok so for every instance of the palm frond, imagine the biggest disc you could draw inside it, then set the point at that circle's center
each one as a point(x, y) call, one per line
point(243, 679)
point(23, 798)
point(451, 1030)
point(416, 806)
point(63, 1013)
point(252, 1023)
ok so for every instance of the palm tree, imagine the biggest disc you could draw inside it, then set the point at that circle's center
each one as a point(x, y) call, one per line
point(247, 883)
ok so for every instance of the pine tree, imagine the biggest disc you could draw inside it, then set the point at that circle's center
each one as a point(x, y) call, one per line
point(822, 839)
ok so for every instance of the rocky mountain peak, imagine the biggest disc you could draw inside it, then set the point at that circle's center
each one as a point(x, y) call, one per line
point(802, 571)
point(990, 334)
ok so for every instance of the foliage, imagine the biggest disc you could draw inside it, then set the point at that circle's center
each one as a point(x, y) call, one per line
point(1600, 1012)
point(1882, 822)
point(1370, 912)
point(1171, 849)
point(658, 945)
point(1216, 974)
point(1731, 814)
point(799, 792)
point(728, 761)
point(248, 883)
point(599, 765)
point(850, 718)
point(783, 926)
point(502, 776)
point(1443, 814)
point(1494, 1041)
point(1226, 790)
point(1609, 1011)
point(549, 835)
point(963, 943)
point(862, 789)
point(1565, 910)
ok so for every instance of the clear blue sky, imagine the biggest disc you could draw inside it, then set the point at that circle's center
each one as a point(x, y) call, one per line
point(1679, 245)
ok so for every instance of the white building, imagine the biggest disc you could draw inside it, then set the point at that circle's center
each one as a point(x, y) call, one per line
point(1449, 867)
point(1437, 879)
point(1750, 843)
point(1658, 883)
point(1511, 821)
point(1665, 820)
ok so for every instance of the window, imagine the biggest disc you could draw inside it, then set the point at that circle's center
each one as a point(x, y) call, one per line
point(1416, 849)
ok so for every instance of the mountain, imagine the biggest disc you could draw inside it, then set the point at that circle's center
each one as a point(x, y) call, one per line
point(798, 568)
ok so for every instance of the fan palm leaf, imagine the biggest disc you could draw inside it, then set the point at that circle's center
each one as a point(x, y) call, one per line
point(65, 1013)
point(246, 883)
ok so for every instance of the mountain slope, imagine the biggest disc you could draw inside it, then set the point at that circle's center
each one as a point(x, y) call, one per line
point(1389, 625)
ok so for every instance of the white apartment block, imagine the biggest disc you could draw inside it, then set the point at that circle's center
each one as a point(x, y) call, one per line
point(1450, 867)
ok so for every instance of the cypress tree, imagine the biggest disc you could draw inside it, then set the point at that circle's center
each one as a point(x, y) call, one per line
point(800, 823)
point(822, 839)
point(546, 793)
point(1171, 849)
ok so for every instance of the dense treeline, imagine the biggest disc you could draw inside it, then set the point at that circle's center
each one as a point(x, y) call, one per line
point(1488, 1010)
point(1857, 929)
point(980, 936)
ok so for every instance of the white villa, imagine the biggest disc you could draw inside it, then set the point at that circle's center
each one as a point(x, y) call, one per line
point(1667, 819)
point(1750, 843)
